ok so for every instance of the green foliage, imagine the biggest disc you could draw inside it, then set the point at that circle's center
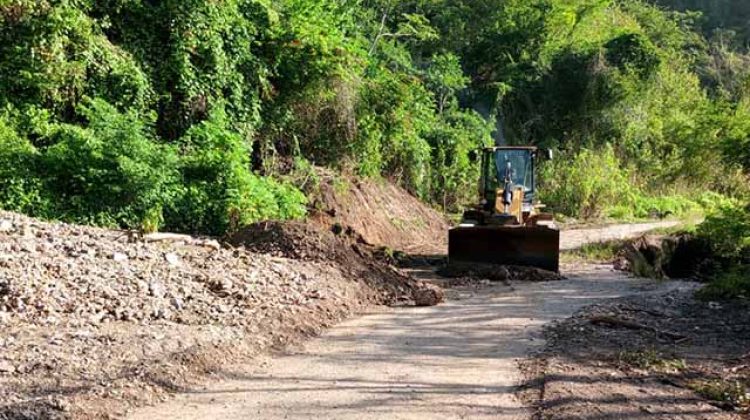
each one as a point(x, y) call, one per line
point(652, 360)
point(728, 232)
point(225, 99)
point(663, 206)
point(109, 171)
point(729, 392)
point(733, 283)
point(587, 183)
point(633, 52)
point(54, 54)
point(219, 192)
point(20, 188)
point(600, 252)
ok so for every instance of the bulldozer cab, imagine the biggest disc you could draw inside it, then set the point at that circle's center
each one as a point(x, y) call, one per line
point(508, 165)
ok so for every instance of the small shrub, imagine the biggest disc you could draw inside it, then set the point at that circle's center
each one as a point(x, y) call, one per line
point(732, 284)
point(663, 206)
point(728, 232)
point(652, 360)
point(732, 393)
point(595, 252)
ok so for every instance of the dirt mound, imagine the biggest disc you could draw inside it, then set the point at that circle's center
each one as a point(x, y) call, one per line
point(95, 320)
point(347, 249)
point(382, 213)
point(469, 272)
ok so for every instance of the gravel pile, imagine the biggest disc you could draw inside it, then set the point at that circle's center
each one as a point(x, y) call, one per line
point(55, 273)
point(93, 320)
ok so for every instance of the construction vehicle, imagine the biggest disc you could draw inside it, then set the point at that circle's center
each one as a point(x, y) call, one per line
point(507, 227)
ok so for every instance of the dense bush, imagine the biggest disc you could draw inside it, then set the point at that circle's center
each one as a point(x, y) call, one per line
point(110, 171)
point(727, 231)
point(20, 188)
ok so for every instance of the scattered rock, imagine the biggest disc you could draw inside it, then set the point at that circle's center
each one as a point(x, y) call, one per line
point(6, 226)
point(80, 321)
point(172, 259)
point(177, 304)
point(6, 367)
point(429, 295)
point(346, 248)
point(156, 289)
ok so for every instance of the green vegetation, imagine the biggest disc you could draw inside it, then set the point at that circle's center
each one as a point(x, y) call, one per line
point(202, 116)
point(600, 252)
point(732, 393)
point(727, 231)
point(652, 360)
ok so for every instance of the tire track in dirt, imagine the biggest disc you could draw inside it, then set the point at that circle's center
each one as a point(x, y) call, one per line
point(455, 361)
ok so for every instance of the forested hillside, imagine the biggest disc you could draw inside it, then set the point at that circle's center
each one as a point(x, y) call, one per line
point(722, 15)
point(201, 116)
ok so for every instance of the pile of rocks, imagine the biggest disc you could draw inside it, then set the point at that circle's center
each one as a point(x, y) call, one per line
point(90, 314)
point(57, 273)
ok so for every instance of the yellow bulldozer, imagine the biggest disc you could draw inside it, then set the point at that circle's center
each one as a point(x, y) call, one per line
point(507, 227)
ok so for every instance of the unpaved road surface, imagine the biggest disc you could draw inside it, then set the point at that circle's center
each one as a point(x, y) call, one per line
point(455, 361)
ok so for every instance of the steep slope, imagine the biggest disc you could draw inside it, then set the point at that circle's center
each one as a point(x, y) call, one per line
point(383, 214)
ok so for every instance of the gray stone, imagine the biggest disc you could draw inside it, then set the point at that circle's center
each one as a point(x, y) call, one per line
point(7, 367)
point(177, 304)
point(172, 259)
point(6, 226)
point(156, 289)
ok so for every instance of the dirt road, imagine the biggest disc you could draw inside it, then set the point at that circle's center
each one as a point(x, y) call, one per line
point(458, 360)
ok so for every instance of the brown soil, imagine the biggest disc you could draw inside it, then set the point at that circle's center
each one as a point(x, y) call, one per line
point(665, 356)
point(383, 214)
point(346, 248)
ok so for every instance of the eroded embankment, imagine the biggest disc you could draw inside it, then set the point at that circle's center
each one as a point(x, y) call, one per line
point(382, 213)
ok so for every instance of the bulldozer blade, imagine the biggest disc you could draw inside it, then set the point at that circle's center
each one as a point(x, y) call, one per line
point(506, 245)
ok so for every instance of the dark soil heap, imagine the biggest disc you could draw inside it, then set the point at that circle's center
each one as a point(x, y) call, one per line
point(470, 272)
point(342, 246)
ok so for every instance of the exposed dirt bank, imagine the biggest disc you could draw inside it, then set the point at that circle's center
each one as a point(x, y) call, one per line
point(383, 214)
